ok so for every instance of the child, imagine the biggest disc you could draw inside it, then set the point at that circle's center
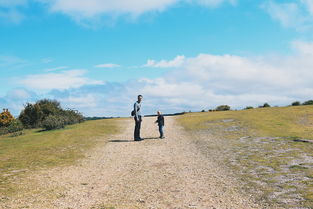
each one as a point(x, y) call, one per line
point(160, 122)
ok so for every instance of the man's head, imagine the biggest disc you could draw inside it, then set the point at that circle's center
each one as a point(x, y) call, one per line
point(159, 112)
point(140, 98)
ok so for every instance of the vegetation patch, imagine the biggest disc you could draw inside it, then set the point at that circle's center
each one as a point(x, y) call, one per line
point(37, 149)
point(267, 149)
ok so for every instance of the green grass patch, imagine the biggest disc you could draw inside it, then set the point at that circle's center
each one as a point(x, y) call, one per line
point(37, 149)
point(276, 121)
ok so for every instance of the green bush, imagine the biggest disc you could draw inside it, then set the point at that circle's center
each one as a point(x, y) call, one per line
point(34, 114)
point(296, 103)
point(265, 105)
point(248, 108)
point(54, 122)
point(72, 117)
point(15, 126)
point(309, 102)
point(38, 115)
point(31, 116)
point(223, 108)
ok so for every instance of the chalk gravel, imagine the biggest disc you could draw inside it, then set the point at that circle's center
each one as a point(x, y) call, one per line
point(165, 173)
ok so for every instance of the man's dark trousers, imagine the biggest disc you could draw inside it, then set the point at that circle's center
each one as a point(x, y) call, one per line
point(137, 128)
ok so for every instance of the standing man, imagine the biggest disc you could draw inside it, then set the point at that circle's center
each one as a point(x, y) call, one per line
point(138, 119)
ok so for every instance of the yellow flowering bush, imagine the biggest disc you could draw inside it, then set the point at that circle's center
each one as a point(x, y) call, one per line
point(6, 118)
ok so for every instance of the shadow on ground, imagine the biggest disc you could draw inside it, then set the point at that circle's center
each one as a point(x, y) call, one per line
point(124, 140)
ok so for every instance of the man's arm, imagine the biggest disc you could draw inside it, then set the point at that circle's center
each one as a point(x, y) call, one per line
point(135, 110)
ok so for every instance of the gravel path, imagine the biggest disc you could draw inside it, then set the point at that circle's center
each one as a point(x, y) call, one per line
point(154, 173)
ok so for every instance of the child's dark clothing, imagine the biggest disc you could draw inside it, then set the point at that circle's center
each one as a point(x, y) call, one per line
point(160, 122)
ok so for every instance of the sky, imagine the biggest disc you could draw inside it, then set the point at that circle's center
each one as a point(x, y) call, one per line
point(96, 56)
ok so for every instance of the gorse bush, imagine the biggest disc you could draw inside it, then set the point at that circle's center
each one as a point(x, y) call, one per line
point(223, 108)
point(72, 117)
point(5, 118)
point(48, 114)
point(34, 114)
point(15, 126)
point(8, 124)
point(53, 122)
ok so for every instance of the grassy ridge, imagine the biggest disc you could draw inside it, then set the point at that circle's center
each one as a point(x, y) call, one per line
point(262, 148)
point(41, 149)
point(277, 121)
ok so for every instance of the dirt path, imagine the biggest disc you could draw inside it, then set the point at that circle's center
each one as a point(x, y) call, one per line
point(154, 173)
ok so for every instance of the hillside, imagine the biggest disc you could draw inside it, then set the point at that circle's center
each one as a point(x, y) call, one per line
point(270, 150)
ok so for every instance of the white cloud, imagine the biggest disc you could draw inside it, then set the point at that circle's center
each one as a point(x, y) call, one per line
point(176, 62)
point(10, 62)
point(9, 10)
point(214, 3)
point(55, 68)
point(83, 11)
point(82, 101)
point(63, 80)
point(309, 5)
point(107, 65)
point(12, 3)
point(208, 80)
point(204, 82)
point(46, 60)
point(297, 14)
point(91, 12)
point(199, 82)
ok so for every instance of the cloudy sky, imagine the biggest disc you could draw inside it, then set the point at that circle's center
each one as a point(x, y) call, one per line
point(97, 55)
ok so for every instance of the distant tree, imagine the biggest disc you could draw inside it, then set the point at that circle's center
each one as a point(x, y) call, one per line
point(309, 102)
point(223, 108)
point(296, 103)
point(266, 105)
point(202, 110)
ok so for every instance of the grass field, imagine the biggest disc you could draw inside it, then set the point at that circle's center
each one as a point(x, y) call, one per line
point(37, 149)
point(269, 149)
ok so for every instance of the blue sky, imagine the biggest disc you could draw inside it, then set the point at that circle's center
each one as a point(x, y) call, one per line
point(183, 55)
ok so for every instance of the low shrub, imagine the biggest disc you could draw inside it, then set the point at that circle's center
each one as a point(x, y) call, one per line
point(264, 105)
point(72, 117)
point(5, 118)
point(48, 114)
point(296, 103)
point(54, 122)
point(223, 108)
point(15, 126)
point(248, 108)
point(309, 102)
